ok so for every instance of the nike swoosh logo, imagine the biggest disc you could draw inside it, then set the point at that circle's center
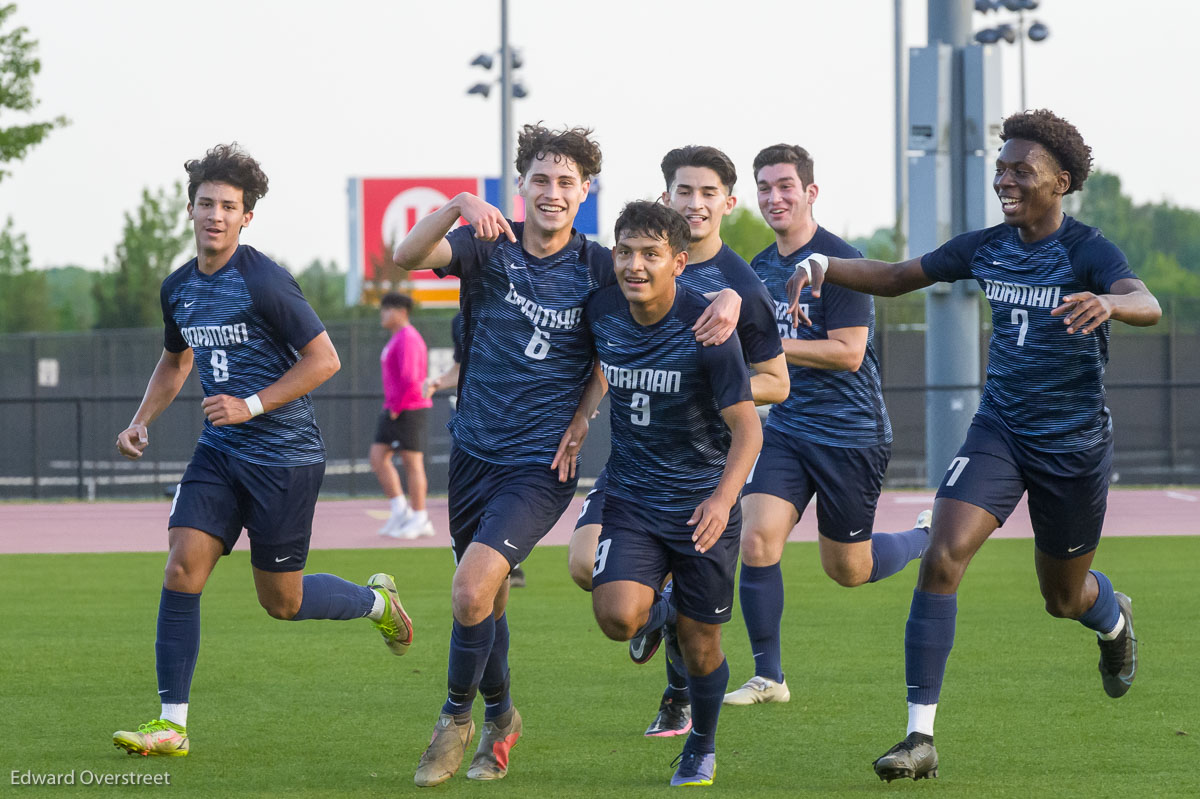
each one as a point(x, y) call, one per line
point(637, 651)
point(856, 532)
point(163, 691)
point(281, 560)
point(722, 610)
point(997, 263)
point(912, 686)
point(189, 304)
point(511, 265)
point(507, 544)
point(1072, 549)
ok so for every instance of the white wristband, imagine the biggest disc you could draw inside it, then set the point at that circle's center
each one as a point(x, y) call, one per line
point(254, 404)
point(818, 258)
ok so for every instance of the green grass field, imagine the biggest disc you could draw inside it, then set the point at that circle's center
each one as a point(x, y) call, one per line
point(321, 709)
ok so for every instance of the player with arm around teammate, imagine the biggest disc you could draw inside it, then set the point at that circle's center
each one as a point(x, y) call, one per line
point(1042, 427)
point(831, 437)
point(684, 436)
point(259, 350)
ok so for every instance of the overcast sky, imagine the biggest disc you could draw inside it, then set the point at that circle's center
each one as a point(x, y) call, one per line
point(320, 92)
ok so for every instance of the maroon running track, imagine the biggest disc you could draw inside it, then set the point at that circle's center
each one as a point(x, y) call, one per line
point(353, 524)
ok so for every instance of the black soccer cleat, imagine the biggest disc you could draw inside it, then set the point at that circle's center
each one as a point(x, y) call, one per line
point(642, 647)
point(1118, 657)
point(913, 758)
point(674, 718)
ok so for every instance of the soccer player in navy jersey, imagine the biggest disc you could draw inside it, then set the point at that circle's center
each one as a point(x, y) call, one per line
point(831, 437)
point(699, 185)
point(527, 359)
point(259, 350)
point(1042, 427)
point(684, 437)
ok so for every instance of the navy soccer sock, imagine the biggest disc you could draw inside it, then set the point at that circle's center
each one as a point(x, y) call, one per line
point(661, 612)
point(928, 639)
point(469, 651)
point(891, 552)
point(677, 677)
point(1103, 614)
point(177, 644)
point(327, 596)
point(761, 592)
point(707, 693)
point(494, 683)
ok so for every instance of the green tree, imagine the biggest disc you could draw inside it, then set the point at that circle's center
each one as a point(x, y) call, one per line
point(325, 289)
point(127, 294)
point(18, 65)
point(746, 233)
point(24, 296)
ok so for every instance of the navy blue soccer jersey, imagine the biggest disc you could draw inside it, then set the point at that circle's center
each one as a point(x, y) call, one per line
point(666, 392)
point(526, 351)
point(756, 323)
point(246, 325)
point(1043, 384)
point(831, 407)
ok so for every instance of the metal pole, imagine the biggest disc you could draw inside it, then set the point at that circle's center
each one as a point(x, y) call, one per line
point(506, 145)
point(1021, 44)
point(901, 143)
point(951, 312)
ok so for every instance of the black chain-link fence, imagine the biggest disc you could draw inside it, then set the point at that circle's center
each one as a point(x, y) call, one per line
point(65, 396)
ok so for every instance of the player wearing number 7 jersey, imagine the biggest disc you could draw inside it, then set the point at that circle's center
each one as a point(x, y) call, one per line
point(259, 349)
point(1042, 426)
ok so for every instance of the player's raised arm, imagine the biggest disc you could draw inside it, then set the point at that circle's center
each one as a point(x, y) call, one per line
point(168, 378)
point(318, 362)
point(861, 274)
point(712, 516)
point(1128, 301)
point(425, 246)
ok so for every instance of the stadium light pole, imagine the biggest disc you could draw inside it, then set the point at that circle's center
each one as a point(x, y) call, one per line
point(509, 89)
point(1036, 31)
point(900, 83)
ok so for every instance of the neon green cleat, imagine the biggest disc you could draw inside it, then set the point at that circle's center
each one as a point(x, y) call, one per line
point(158, 737)
point(395, 626)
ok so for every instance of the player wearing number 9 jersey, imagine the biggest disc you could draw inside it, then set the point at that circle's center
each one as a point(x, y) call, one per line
point(259, 349)
point(1041, 428)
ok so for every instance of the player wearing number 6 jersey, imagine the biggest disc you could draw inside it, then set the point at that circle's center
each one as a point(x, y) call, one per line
point(1042, 427)
point(259, 349)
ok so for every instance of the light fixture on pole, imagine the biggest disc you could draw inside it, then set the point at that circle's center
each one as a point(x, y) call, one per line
point(1010, 32)
point(509, 60)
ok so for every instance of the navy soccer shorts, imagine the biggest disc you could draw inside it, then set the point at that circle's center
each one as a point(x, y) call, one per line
point(408, 431)
point(592, 511)
point(1068, 491)
point(220, 494)
point(644, 545)
point(846, 481)
point(508, 508)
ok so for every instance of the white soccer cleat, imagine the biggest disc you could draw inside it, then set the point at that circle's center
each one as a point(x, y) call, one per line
point(925, 519)
point(758, 690)
point(413, 529)
point(395, 523)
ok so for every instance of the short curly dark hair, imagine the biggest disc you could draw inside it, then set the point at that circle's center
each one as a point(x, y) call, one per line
point(643, 218)
point(1060, 138)
point(576, 144)
point(228, 163)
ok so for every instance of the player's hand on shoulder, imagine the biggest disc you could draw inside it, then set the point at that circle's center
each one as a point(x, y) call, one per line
point(222, 409)
point(488, 221)
point(719, 319)
point(132, 441)
point(710, 519)
point(1084, 311)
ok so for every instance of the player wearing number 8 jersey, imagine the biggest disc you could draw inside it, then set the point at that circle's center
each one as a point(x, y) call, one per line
point(259, 350)
point(1042, 427)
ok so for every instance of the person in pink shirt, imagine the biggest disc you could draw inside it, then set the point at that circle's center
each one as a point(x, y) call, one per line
point(403, 423)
